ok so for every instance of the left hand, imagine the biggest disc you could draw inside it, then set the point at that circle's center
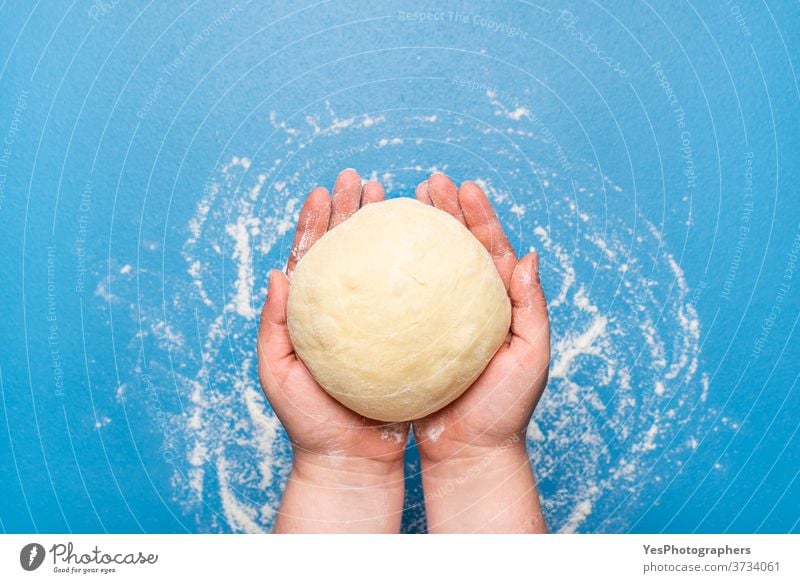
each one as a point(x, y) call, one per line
point(495, 411)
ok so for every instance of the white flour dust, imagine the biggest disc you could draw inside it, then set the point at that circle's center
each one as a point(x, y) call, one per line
point(625, 336)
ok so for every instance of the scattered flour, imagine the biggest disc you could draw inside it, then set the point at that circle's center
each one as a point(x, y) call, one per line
point(625, 336)
point(433, 431)
point(580, 512)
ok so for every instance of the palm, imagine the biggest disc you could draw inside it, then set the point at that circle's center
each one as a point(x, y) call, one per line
point(500, 402)
point(314, 420)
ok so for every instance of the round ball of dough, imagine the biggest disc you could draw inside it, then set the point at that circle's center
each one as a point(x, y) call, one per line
point(397, 310)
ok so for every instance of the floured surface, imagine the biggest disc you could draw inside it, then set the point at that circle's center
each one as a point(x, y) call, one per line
point(625, 373)
point(154, 162)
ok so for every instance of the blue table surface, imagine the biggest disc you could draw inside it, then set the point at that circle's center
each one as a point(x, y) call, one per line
point(153, 159)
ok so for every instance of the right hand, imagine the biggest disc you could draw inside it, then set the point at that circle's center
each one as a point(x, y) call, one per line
point(317, 424)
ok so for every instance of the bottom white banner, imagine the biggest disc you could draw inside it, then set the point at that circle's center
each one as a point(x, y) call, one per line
point(400, 558)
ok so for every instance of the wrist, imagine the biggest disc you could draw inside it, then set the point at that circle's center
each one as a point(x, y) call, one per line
point(483, 489)
point(474, 460)
point(450, 450)
point(328, 493)
point(346, 471)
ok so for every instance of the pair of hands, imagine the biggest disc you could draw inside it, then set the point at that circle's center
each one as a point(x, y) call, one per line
point(492, 415)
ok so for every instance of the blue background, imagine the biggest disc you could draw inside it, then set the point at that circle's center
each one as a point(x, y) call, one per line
point(153, 159)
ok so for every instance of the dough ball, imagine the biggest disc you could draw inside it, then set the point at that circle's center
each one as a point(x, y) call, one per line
point(397, 310)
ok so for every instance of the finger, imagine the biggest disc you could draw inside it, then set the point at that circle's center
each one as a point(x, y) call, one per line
point(422, 193)
point(444, 194)
point(313, 223)
point(275, 359)
point(372, 192)
point(346, 197)
point(484, 224)
point(530, 326)
point(274, 343)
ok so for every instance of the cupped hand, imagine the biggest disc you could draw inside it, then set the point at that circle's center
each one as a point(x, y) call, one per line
point(315, 421)
point(495, 411)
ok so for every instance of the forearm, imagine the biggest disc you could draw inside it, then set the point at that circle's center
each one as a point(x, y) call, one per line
point(483, 490)
point(328, 494)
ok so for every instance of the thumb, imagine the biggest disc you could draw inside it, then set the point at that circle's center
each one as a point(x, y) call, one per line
point(530, 323)
point(274, 343)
